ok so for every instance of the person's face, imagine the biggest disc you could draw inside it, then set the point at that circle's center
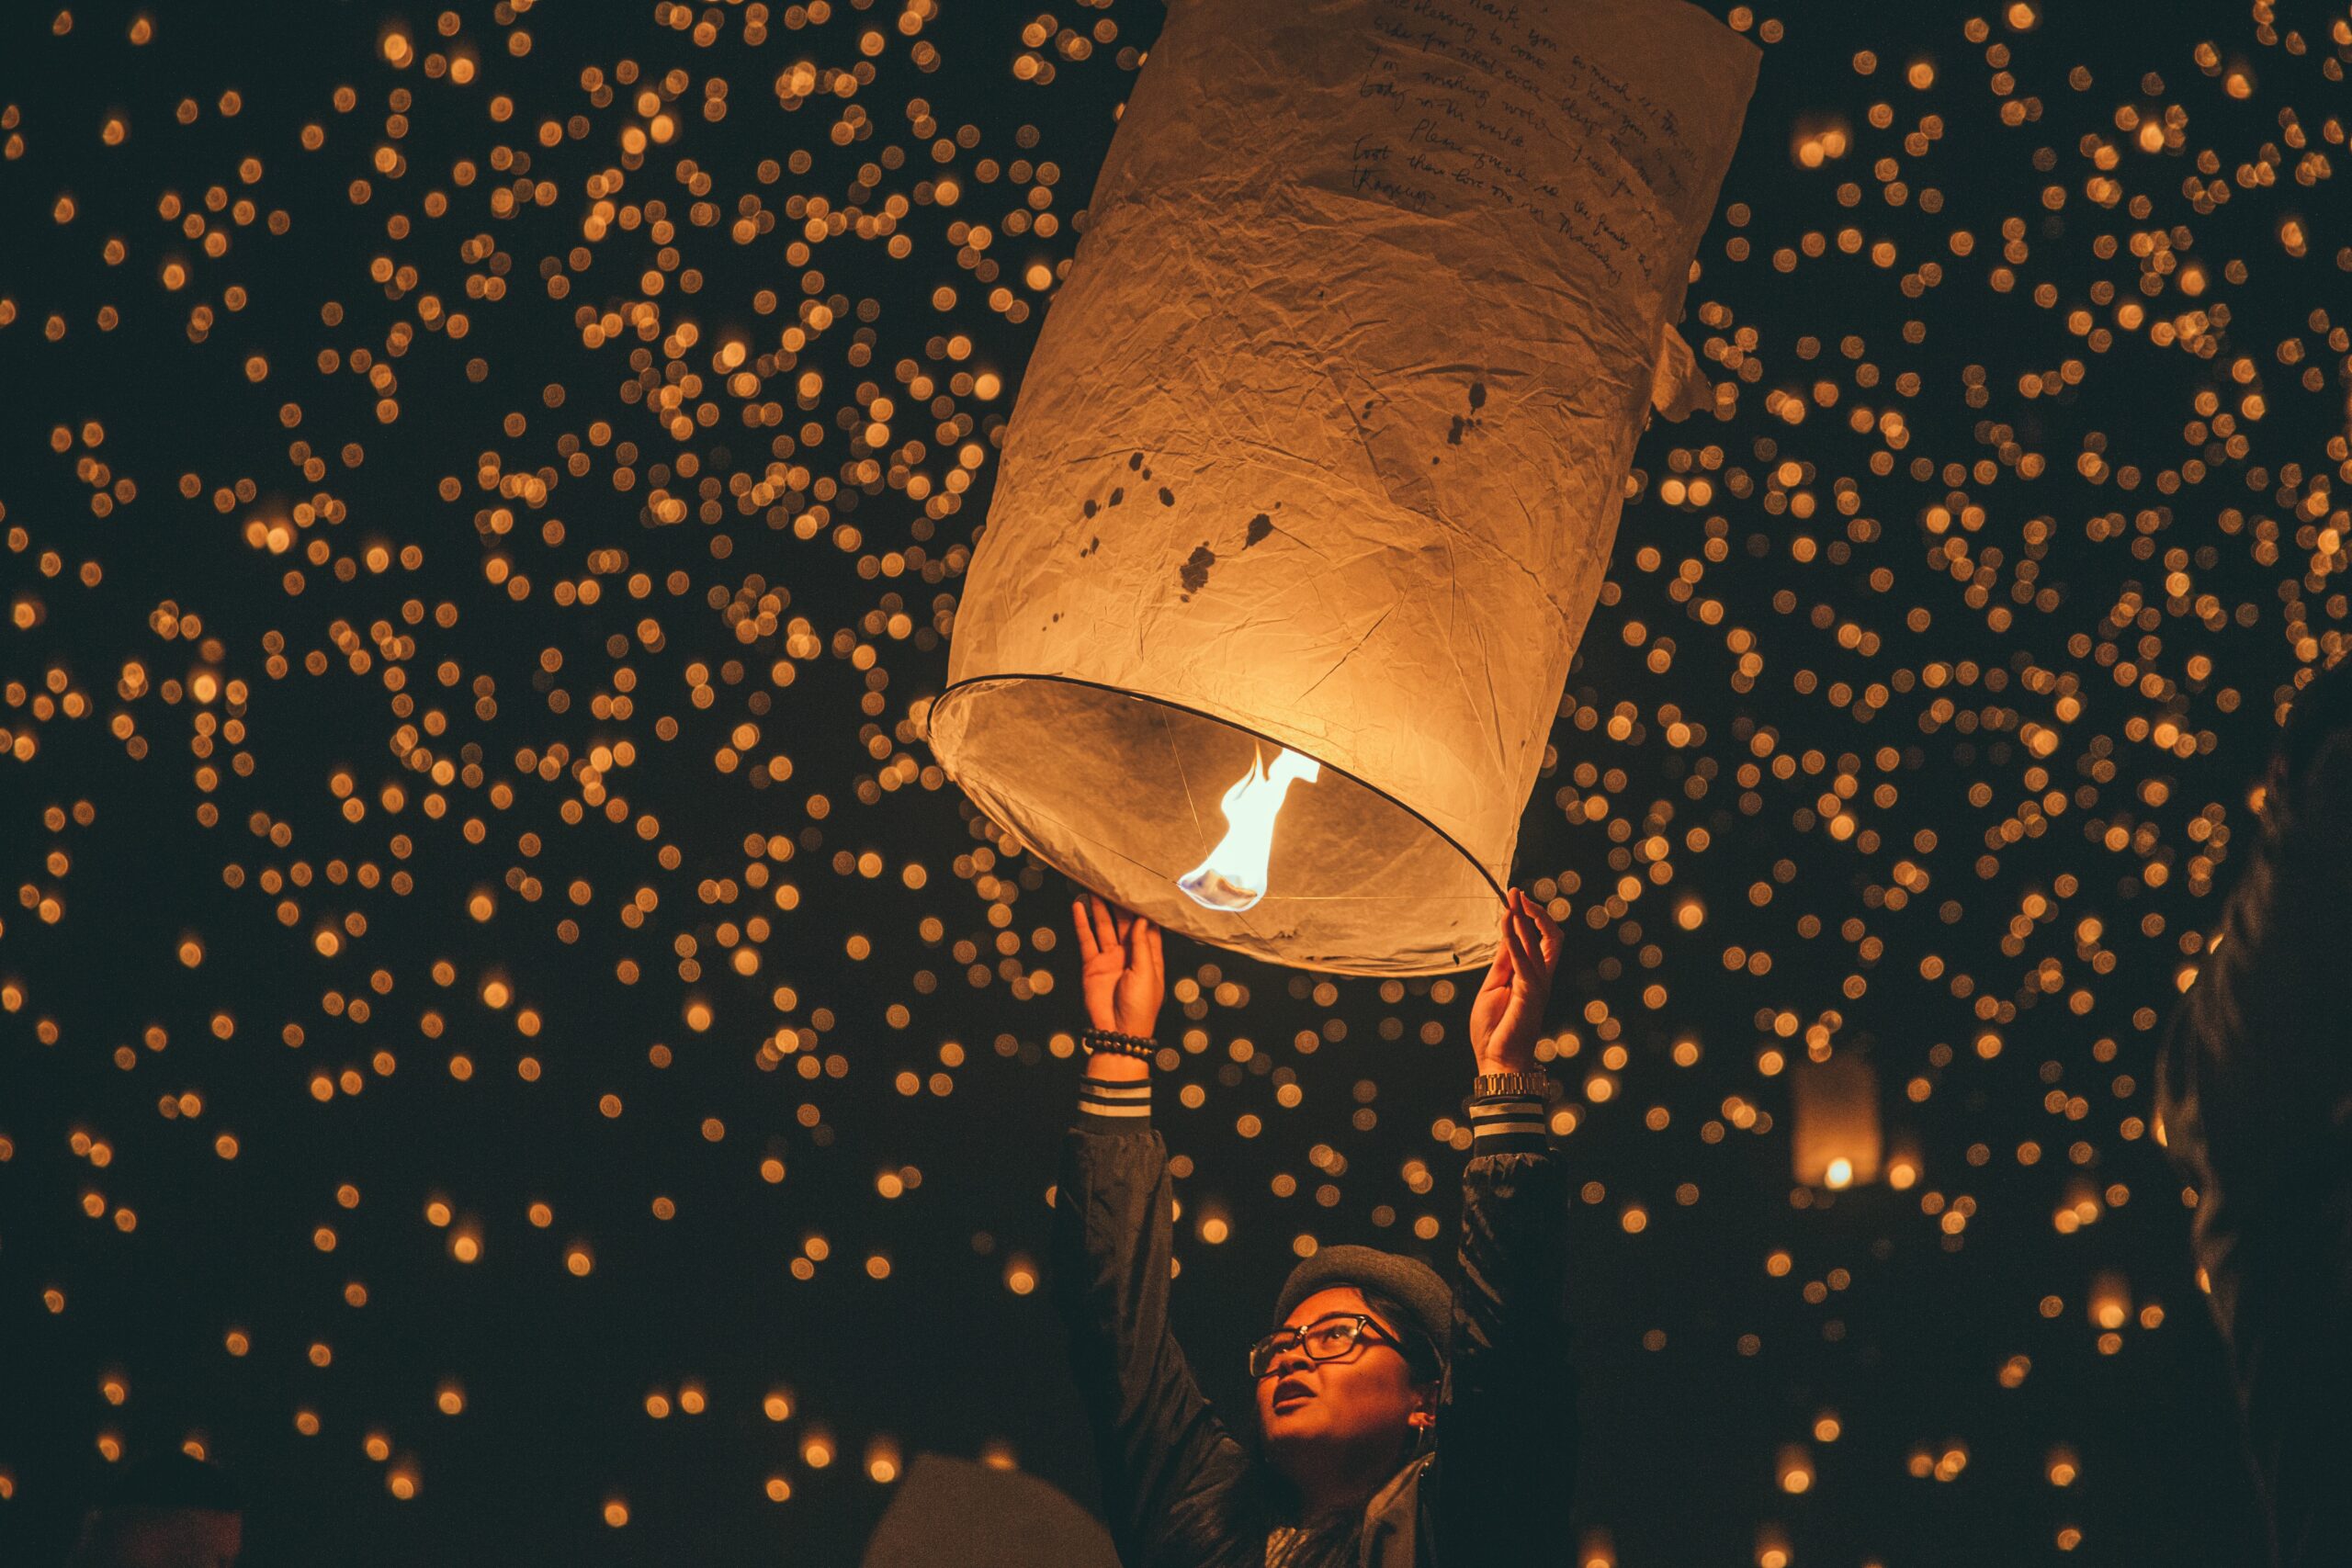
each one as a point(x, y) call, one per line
point(1365, 1401)
point(178, 1538)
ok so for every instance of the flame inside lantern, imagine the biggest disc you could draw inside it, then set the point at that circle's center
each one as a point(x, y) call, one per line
point(1234, 876)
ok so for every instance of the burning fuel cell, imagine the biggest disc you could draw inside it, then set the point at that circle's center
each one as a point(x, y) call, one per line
point(1234, 876)
point(1319, 457)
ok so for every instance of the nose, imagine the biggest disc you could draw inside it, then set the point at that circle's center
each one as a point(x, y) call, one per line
point(1291, 1355)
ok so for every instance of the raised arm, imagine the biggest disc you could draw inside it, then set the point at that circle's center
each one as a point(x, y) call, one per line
point(1166, 1463)
point(1506, 1431)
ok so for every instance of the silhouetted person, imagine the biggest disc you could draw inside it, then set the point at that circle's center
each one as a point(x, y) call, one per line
point(171, 1511)
point(2254, 1089)
point(1395, 1423)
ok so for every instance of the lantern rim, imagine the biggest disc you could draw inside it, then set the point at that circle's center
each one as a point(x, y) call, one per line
point(953, 687)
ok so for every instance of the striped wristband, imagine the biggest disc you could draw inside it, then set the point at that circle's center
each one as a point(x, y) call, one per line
point(1106, 1105)
point(1508, 1123)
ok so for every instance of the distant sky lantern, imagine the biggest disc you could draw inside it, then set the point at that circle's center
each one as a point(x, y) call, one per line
point(2110, 1301)
point(1838, 1140)
point(1314, 473)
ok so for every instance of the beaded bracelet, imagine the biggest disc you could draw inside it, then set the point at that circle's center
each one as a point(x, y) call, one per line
point(1110, 1039)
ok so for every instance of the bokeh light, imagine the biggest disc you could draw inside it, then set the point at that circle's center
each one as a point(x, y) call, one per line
point(490, 494)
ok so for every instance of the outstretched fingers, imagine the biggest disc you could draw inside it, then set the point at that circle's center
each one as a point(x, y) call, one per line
point(1106, 930)
point(1520, 937)
point(1086, 948)
point(1500, 973)
point(1542, 938)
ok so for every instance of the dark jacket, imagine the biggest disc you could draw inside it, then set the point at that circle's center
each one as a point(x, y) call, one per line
point(2254, 1094)
point(1178, 1486)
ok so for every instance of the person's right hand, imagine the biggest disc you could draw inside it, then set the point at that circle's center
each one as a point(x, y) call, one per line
point(1508, 1013)
point(1122, 977)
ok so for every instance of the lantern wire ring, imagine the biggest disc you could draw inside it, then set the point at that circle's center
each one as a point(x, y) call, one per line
point(1451, 840)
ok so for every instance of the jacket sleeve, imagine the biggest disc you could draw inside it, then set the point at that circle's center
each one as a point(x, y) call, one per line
point(2255, 1097)
point(1167, 1463)
point(1506, 1422)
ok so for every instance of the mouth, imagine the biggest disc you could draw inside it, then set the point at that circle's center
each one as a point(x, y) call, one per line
point(1289, 1394)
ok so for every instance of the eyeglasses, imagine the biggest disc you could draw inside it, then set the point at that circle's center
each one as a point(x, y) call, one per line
point(1326, 1340)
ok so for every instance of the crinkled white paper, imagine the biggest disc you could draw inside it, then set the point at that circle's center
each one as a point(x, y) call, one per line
point(1323, 445)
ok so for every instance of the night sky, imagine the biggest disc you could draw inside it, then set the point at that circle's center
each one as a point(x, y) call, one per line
point(510, 1043)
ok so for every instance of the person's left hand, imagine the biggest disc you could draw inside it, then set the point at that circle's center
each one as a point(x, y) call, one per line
point(1507, 1014)
point(1124, 976)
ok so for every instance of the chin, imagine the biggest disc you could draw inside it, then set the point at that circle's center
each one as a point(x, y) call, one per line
point(1306, 1421)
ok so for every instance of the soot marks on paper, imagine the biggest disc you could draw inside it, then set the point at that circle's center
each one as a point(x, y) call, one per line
point(1464, 424)
point(1194, 574)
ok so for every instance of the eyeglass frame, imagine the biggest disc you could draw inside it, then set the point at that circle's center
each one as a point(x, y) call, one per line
point(1297, 1340)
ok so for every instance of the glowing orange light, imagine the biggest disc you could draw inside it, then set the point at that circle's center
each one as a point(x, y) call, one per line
point(1233, 877)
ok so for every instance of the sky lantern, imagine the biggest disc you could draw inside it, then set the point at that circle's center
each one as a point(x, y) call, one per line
point(1838, 1140)
point(1312, 478)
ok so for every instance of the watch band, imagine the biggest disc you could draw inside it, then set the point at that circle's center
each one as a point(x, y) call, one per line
point(1536, 1085)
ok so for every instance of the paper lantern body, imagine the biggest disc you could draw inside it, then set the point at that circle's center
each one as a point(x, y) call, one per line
point(1838, 1142)
point(1323, 445)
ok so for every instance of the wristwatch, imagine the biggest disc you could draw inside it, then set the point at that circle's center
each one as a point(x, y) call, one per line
point(1536, 1085)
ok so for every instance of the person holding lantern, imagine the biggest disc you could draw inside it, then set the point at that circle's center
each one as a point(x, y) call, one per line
point(1376, 1372)
point(2254, 1101)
